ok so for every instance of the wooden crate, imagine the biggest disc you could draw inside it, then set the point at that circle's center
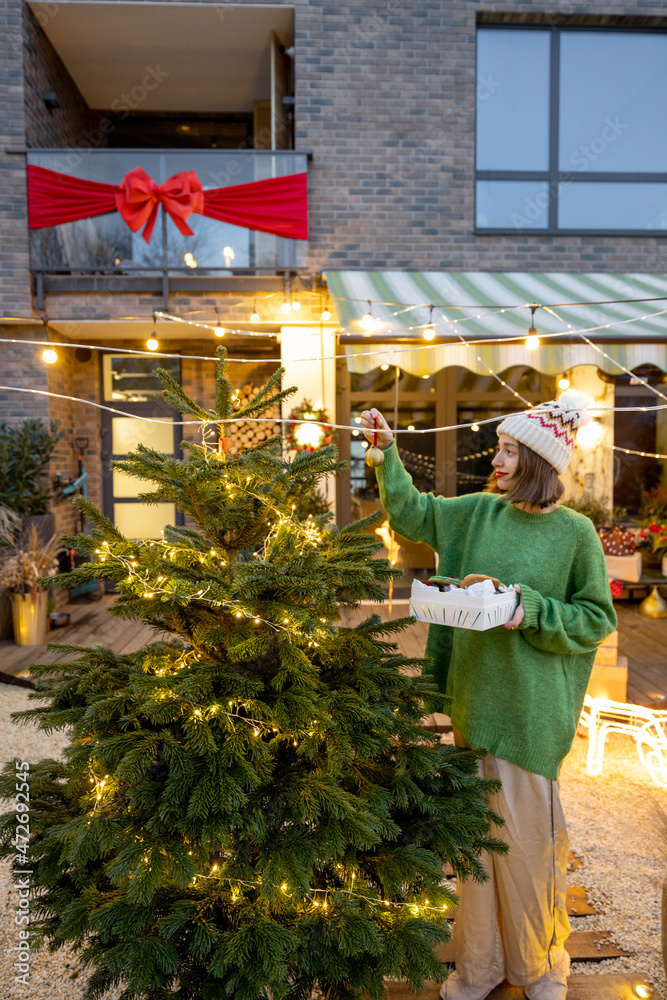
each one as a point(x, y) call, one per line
point(608, 681)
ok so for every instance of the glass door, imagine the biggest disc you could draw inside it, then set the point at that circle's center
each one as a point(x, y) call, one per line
point(131, 386)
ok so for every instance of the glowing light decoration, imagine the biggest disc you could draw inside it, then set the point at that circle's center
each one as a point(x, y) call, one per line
point(308, 428)
point(49, 356)
point(646, 726)
point(590, 435)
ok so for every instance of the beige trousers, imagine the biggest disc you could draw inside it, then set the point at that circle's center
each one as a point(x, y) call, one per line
point(516, 924)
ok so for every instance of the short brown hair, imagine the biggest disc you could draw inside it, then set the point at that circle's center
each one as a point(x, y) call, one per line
point(536, 481)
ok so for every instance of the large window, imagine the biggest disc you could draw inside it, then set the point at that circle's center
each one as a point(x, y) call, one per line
point(571, 130)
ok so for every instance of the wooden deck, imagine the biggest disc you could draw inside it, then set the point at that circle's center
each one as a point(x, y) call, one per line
point(642, 640)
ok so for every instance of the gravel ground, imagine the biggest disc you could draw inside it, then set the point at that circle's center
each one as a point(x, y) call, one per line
point(612, 825)
point(614, 828)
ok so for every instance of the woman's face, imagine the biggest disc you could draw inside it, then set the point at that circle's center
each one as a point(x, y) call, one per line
point(506, 460)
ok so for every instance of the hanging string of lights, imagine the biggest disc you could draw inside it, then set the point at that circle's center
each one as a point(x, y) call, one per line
point(630, 451)
point(604, 354)
point(384, 352)
point(473, 424)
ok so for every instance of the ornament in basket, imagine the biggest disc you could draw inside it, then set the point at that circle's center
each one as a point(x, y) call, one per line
point(477, 602)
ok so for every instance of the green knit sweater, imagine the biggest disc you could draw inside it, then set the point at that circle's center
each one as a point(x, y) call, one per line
point(516, 693)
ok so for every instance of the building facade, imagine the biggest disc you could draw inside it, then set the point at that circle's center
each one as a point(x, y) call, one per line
point(443, 142)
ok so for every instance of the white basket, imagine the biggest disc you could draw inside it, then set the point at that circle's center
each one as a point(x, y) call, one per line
point(461, 610)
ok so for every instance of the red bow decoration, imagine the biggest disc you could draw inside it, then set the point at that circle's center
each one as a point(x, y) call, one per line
point(277, 205)
point(139, 196)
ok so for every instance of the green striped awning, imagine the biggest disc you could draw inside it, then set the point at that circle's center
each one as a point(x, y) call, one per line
point(491, 306)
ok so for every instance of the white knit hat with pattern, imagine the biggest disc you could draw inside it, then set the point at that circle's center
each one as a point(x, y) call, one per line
point(549, 429)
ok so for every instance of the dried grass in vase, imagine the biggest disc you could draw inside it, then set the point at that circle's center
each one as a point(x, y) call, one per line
point(22, 568)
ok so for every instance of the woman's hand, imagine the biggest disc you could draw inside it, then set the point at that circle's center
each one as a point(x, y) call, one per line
point(519, 614)
point(374, 423)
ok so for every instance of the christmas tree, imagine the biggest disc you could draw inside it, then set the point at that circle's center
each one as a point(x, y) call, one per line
point(248, 807)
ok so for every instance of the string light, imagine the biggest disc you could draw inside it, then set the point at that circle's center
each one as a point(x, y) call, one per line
point(255, 315)
point(643, 454)
point(532, 340)
point(49, 356)
point(367, 321)
point(429, 332)
point(152, 343)
point(563, 383)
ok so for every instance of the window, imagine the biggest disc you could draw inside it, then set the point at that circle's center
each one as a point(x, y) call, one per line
point(571, 130)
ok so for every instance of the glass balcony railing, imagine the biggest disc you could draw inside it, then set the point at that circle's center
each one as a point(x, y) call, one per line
point(106, 245)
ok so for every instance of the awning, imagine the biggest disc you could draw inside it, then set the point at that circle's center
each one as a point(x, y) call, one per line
point(492, 306)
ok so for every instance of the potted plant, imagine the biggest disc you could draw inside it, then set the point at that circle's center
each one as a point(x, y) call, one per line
point(25, 453)
point(20, 572)
point(652, 535)
point(10, 523)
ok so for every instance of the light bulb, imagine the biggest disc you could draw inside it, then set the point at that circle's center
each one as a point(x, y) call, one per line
point(563, 383)
point(49, 356)
point(152, 343)
point(384, 367)
point(411, 427)
point(219, 331)
point(296, 305)
point(643, 990)
point(429, 333)
point(367, 321)
point(254, 318)
point(286, 306)
point(426, 376)
point(326, 315)
point(474, 427)
point(187, 257)
point(532, 340)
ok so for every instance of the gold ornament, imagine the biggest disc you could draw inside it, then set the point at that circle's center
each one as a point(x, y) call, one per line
point(653, 606)
point(374, 457)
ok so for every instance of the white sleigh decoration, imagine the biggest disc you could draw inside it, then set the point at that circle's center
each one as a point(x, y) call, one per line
point(461, 608)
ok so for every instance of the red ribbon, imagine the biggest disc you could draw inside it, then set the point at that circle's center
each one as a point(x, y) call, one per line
point(277, 205)
point(139, 196)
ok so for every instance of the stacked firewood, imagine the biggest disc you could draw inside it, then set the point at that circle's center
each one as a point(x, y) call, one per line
point(245, 434)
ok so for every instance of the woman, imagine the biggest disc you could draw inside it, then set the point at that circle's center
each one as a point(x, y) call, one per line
point(516, 691)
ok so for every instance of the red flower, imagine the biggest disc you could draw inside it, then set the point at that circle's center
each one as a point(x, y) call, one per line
point(654, 528)
point(616, 588)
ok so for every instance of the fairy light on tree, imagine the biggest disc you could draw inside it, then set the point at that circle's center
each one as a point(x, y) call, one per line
point(235, 791)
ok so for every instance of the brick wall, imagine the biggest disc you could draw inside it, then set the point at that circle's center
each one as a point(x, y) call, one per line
point(385, 101)
point(44, 71)
point(14, 273)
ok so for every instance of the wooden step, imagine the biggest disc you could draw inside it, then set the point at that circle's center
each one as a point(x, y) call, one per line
point(596, 987)
point(583, 946)
point(577, 902)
